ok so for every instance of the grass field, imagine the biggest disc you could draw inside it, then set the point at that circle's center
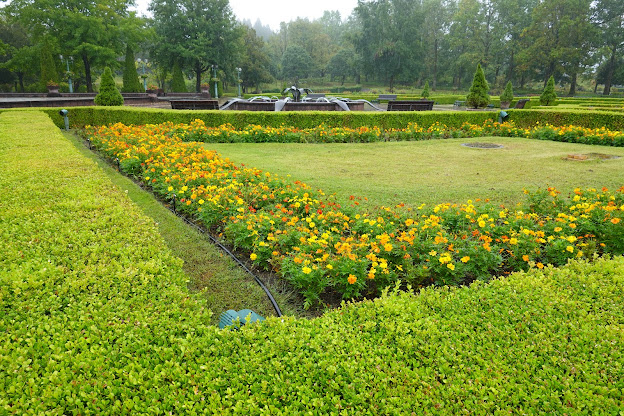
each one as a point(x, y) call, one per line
point(434, 171)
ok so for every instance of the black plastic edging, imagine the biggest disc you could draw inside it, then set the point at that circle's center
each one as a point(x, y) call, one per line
point(212, 239)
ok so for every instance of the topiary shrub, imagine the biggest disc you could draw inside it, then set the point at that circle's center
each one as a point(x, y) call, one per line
point(109, 95)
point(478, 96)
point(549, 96)
point(131, 81)
point(507, 96)
point(425, 91)
point(177, 80)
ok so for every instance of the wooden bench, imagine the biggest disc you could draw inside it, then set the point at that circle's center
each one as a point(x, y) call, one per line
point(521, 103)
point(385, 97)
point(420, 105)
point(194, 104)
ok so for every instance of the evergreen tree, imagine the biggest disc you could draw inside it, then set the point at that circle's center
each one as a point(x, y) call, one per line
point(478, 95)
point(49, 73)
point(109, 94)
point(549, 96)
point(507, 96)
point(177, 80)
point(131, 81)
point(425, 91)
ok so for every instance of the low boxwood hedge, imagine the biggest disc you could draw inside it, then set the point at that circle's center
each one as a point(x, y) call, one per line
point(96, 320)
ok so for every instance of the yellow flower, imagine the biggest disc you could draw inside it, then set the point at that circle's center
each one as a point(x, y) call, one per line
point(306, 270)
point(465, 259)
point(170, 189)
point(253, 256)
point(570, 249)
point(451, 266)
point(513, 241)
point(330, 267)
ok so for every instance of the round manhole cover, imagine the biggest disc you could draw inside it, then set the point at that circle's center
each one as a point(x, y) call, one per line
point(480, 145)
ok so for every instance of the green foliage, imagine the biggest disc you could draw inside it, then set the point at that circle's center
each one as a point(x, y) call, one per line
point(97, 320)
point(425, 91)
point(219, 85)
point(507, 95)
point(296, 63)
point(549, 96)
point(49, 74)
point(131, 81)
point(177, 79)
point(109, 95)
point(478, 96)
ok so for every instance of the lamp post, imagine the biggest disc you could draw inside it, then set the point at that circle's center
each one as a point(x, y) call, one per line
point(69, 80)
point(143, 63)
point(214, 77)
point(239, 70)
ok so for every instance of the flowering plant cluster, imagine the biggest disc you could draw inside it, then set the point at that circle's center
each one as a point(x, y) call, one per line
point(226, 133)
point(325, 249)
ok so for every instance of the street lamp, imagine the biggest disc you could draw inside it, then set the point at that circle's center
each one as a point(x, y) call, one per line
point(68, 73)
point(143, 64)
point(214, 77)
point(239, 70)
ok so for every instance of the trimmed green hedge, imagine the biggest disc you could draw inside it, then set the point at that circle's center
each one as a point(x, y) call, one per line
point(582, 118)
point(96, 320)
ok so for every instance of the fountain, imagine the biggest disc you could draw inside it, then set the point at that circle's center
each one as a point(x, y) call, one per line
point(311, 102)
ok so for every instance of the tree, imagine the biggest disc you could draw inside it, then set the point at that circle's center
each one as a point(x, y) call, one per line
point(425, 91)
point(296, 63)
point(507, 96)
point(255, 64)
point(86, 29)
point(610, 21)
point(549, 96)
point(198, 33)
point(21, 57)
point(342, 64)
point(109, 95)
point(177, 79)
point(478, 95)
point(131, 81)
point(49, 74)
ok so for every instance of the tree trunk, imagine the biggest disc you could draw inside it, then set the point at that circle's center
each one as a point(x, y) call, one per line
point(198, 74)
point(434, 82)
point(573, 85)
point(595, 86)
point(87, 67)
point(610, 71)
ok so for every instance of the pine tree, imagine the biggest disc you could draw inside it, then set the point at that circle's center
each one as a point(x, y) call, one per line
point(131, 81)
point(49, 73)
point(549, 96)
point(478, 95)
point(507, 96)
point(425, 91)
point(177, 79)
point(109, 94)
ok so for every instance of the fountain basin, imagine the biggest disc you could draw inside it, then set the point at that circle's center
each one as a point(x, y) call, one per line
point(294, 106)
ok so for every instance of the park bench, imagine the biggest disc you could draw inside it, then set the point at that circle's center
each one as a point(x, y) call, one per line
point(385, 97)
point(420, 105)
point(521, 103)
point(459, 103)
point(194, 104)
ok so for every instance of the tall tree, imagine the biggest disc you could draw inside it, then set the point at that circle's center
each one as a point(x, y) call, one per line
point(131, 81)
point(255, 63)
point(200, 33)
point(296, 63)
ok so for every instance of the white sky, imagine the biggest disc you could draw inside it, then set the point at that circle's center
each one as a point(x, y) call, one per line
point(272, 12)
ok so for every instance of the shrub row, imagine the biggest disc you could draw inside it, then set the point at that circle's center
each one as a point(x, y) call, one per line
point(96, 116)
point(95, 320)
point(199, 132)
point(322, 248)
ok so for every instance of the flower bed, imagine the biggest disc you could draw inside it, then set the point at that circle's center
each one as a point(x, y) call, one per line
point(226, 133)
point(323, 248)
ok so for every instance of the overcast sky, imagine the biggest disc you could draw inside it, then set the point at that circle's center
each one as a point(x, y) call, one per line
point(272, 12)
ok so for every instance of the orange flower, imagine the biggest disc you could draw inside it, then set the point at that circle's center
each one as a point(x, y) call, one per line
point(615, 220)
point(540, 265)
point(352, 279)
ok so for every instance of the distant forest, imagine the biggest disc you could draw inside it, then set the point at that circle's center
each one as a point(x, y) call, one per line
point(389, 42)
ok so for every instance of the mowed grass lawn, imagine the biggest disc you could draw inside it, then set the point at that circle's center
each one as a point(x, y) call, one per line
point(434, 171)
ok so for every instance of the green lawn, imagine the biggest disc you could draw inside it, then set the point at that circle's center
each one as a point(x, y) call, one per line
point(434, 171)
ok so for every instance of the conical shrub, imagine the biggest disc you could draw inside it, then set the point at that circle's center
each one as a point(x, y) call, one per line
point(177, 79)
point(478, 96)
point(549, 96)
point(131, 81)
point(109, 95)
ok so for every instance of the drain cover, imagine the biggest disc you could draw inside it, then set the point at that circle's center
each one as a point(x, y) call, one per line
point(480, 145)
